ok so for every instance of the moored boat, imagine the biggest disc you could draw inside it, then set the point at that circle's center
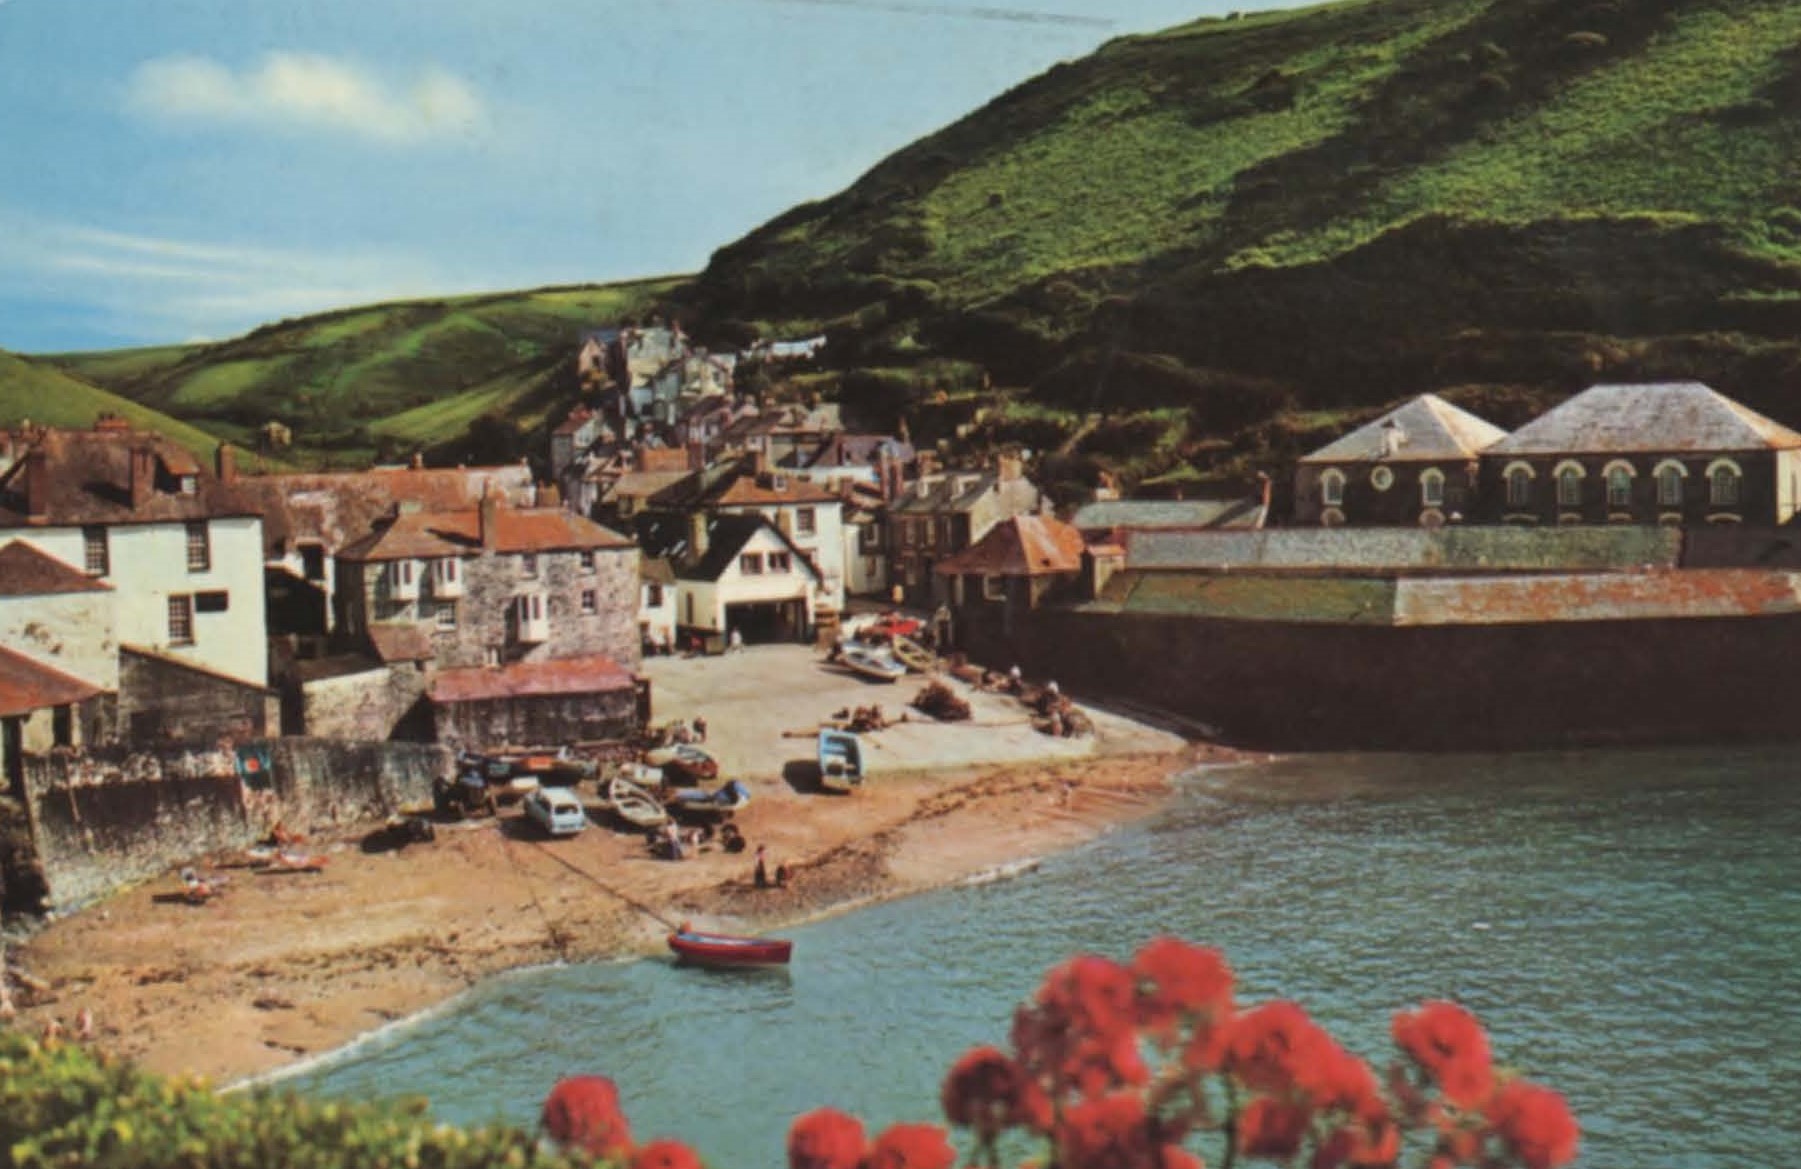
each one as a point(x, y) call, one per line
point(914, 656)
point(634, 804)
point(684, 761)
point(876, 665)
point(729, 950)
point(840, 760)
point(699, 801)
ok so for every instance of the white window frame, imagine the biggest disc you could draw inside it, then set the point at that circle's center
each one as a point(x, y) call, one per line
point(1331, 488)
point(1717, 472)
point(779, 562)
point(445, 615)
point(1523, 474)
point(181, 619)
point(806, 521)
point(1432, 487)
point(96, 550)
point(1610, 476)
point(1569, 474)
point(1679, 478)
point(750, 564)
point(994, 588)
point(200, 545)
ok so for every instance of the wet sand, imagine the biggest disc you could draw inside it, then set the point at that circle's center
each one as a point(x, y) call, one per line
point(282, 967)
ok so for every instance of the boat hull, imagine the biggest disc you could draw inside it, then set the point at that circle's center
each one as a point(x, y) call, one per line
point(840, 761)
point(729, 951)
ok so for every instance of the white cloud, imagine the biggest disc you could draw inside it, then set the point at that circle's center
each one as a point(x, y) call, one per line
point(306, 91)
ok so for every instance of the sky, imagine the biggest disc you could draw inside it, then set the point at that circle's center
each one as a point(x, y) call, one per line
point(180, 170)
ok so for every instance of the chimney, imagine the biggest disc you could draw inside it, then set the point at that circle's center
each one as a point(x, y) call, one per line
point(225, 463)
point(143, 475)
point(37, 484)
point(1008, 467)
point(760, 460)
point(1264, 489)
point(489, 511)
point(417, 462)
point(697, 534)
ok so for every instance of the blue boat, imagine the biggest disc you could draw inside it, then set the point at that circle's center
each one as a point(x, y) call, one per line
point(698, 801)
point(840, 760)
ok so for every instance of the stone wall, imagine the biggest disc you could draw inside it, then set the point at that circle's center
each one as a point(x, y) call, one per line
point(102, 821)
point(369, 705)
point(608, 715)
point(165, 701)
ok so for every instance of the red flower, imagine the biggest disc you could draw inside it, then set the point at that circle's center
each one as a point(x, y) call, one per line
point(582, 1112)
point(665, 1154)
point(1267, 1047)
point(1096, 996)
point(1335, 1080)
point(826, 1139)
point(988, 1092)
point(1111, 1132)
point(911, 1146)
point(1269, 1127)
point(1362, 1148)
point(1182, 981)
point(1535, 1123)
point(1081, 1033)
point(1449, 1044)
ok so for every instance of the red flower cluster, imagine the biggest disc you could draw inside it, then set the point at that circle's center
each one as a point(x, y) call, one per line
point(1078, 1079)
point(829, 1139)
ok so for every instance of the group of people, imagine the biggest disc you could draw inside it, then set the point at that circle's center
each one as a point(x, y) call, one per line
point(675, 843)
point(762, 877)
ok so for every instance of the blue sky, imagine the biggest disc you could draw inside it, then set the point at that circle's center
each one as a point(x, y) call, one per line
point(182, 169)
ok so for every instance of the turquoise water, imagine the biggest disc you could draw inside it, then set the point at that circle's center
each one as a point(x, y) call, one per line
point(1626, 923)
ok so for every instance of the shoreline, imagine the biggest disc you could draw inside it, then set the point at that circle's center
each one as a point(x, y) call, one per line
point(277, 976)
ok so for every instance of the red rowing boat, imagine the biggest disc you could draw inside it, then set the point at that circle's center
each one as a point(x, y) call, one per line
point(729, 949)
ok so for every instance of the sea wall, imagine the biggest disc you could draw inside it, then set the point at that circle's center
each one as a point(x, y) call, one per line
point(1289, 685)
point(105, 820)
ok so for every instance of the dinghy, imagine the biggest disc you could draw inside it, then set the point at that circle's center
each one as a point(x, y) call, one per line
point(840, 760)
point(634, 804)
point(729, 950)
point(876, 665)
point(698, 801)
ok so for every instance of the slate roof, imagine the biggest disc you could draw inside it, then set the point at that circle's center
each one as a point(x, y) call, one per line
point(1019, 546)
point(89, 482)
point(1473, 548)
point(28, 571)
point(27, 685)
point(1428, 428)
point(427, 536)
point(961, 491)
point(584, 675)
point(1650, 417)
point(1177, 514)
point(664, 536)
point(737, 483)
point(338, 508)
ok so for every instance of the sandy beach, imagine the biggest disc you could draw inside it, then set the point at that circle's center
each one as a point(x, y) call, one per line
point(282, 967)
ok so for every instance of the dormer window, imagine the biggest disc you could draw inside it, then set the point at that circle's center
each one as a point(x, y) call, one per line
point(190, 484)
point(447, 577)
point(403, 581)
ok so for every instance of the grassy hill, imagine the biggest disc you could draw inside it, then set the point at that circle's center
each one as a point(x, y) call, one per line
point(35, 392)
point(384, 379)
point(1230, 238)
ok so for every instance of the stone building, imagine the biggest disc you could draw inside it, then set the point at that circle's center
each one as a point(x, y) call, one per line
point(1022, 561)
point(525, 610)
point(942, 513)
point(1664, 453)
point(1418, 464)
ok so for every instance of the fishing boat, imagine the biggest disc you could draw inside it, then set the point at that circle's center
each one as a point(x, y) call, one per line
point(876, 665)
point(912, 655)
point(840, 760)
point(699, 801)
point(729, 950)
point(634, 804)
point(684, 761)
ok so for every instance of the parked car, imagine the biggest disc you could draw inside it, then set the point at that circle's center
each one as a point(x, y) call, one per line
point(556, 810)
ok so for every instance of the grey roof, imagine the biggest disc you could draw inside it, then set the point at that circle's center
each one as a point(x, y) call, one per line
point(951, 491)
point(664, 536)
point(1149, 514)
point(1658, 416)
point(1455, 549)
point(1426, 428)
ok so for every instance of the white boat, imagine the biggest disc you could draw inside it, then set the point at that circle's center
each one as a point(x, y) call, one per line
point(878, 665)
point(634, 804)
point(840, 760)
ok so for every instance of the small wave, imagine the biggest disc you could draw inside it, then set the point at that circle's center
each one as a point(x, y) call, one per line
point(1003, 872)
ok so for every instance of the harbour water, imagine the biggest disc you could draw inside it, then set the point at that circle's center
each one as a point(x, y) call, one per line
point(1628, 925)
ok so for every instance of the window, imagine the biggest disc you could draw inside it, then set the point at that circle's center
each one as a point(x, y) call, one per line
point(1723, 484)
point(190, 484)
point(588, 560)
point(590, 604)
point(216, 601)
point(1619, 485)
point(312, 561)
point(781, 562)
point(653, 595)
point(181, 620)
point(528, 564)
point(491, 655)
point(806, 522)
point(200, 547)
point(1519, 485)
point(446, 615)
point(994, 588)
point(1331, 489)
point(94, 551)
point(449, 570)
point(1669, 484)
point(1432, 487)
point(751, 564)
point(1569, 485)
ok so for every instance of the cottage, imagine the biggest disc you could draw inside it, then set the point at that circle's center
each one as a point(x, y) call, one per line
point(1665, 453)
point(943, 513)
point(735, 572)
point(1415, 465)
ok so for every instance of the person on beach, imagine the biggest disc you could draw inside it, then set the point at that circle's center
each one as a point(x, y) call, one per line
point(700, 728)
point(781, 875)
point(1015, 680)
point(734, 643)
point(762, 873)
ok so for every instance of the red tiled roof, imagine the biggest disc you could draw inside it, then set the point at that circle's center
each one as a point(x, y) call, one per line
point(28, 571)
point(425, 536)
point(1020, 546)
point(400, 643)
point(530, 679)
point(26, 685)
point(752, 490)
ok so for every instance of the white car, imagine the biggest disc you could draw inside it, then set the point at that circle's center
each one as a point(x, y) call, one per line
point(556, 810)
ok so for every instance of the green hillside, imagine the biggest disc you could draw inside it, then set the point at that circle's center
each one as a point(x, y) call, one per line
point(1232, 236)
point(383, 379)
point(34, 392)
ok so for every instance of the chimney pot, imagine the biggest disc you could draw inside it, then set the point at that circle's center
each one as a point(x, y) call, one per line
point(225, 463)
point(143, 475)
point(489, 513)
point(697, 534)
point(37, 484)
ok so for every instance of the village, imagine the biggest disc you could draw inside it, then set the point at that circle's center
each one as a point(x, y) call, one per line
point(712, 615)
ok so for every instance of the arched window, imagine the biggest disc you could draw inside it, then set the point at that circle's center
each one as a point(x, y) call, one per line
point(1723, 479)
point(1519, 485)
point(1670, 475)
point(1331, 488)
point(1619, 484)
point(1432, 487)
point(1569, 484)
